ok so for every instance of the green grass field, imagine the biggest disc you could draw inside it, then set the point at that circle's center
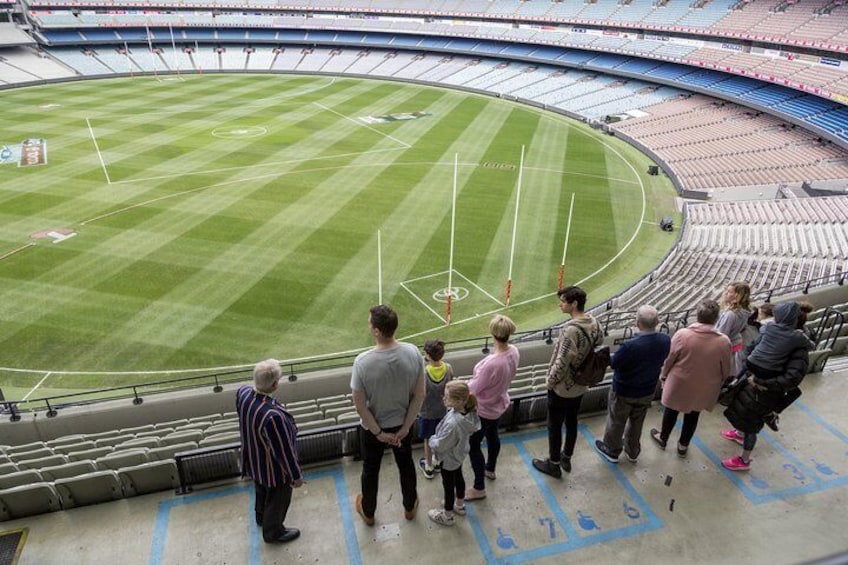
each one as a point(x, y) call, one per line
point(224, 219)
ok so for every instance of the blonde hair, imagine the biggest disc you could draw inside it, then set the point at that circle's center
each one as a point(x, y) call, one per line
point(501, 327)
point(460, 397)
point(743, 296)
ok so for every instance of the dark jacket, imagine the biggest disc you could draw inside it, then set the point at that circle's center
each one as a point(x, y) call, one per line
point(750, 406)
point(637, 363)
point(777, 340)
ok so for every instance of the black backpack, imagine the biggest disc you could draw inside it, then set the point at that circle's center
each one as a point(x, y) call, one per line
point(594, 365)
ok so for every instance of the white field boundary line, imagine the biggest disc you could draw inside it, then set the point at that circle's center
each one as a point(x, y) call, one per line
point(258, 165)
point(427, 306)
point(44, 378)
point(375, 130)
point(99, 154)
point(18, 250)
point(576, 174)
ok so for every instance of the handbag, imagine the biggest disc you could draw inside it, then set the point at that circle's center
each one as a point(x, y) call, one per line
point(730, 389)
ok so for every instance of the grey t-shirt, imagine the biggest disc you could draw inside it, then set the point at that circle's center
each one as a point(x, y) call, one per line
point(388, 378)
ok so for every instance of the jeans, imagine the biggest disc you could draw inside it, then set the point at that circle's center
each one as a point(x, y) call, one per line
point(690, 423)
point(562, 410)
point(372, 456)
point(271, 507)
point(489, 430)
point(625, 417)
point(453, 484)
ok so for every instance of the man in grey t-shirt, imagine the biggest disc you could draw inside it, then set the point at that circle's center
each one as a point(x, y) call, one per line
point(388, 388)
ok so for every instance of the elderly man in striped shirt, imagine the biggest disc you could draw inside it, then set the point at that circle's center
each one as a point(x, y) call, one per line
point(269, 451)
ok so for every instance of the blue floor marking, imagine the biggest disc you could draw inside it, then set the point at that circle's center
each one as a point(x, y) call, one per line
point(160, 530)
point(737, 477)
point(573, 541)
point(821, 421)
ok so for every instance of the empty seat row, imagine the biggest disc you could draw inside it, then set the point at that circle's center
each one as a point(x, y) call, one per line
point(88, 488)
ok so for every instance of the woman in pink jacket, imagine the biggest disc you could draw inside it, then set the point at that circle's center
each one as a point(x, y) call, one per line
point(489, 383)
point(697, 366)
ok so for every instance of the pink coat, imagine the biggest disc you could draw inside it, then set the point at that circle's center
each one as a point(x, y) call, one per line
point(698, 364)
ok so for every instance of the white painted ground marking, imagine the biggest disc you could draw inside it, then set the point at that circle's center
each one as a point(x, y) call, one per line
point(576, 174)
point(99, 155)
point(375, 130)
point(472, 283)
point(36, 386)
point(13, 251)
point(427, 306)
point(258, 165)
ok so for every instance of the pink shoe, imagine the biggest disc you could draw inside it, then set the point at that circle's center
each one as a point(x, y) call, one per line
point(736, 464)
point(733, 435)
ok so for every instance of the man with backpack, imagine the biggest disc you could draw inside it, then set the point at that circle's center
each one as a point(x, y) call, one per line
point(636, 364)
point(577, 340)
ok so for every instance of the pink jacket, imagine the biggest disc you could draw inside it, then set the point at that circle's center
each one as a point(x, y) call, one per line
point(490, 381)
point(695, 369)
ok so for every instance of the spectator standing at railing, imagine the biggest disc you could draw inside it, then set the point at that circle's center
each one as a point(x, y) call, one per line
point(575, 339)
point(735, 305)
point(388, 389)
point(269, 451)
point(636, 364)
point(489, 383)
point(697, 365)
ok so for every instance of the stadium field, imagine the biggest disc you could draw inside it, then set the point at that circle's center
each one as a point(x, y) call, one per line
point(216, 220)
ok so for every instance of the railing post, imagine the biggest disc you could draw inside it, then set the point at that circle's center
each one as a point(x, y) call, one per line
point(51, 412)
point(137, 400)
point(486, 347)
point(217, 387)
point(292, 375)
point(15, 417)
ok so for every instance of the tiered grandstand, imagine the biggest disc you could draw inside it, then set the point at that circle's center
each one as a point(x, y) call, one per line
point(731, 99)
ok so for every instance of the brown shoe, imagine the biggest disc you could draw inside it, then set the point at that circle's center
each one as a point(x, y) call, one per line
point(369, 521)
point(474, 494)
point(410, 514)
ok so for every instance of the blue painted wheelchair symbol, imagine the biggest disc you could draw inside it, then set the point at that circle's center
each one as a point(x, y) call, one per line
point(823, 468)
point(505, 541)
point(632, 513)
point(586, 522)
point(551, 526)
point(796, 474)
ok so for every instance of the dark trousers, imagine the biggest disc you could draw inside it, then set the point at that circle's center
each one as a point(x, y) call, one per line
point(749, 442)
point(625, 417)
point(454, 485)
point(489, 430)
point(271, 507)
point(372, 456)
point(562, 411)
point(690, 424)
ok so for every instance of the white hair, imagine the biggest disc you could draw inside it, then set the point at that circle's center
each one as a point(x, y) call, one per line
point(647, 317)
point(266, 373)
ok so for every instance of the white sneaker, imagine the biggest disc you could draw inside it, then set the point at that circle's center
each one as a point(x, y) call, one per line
point(440, 517)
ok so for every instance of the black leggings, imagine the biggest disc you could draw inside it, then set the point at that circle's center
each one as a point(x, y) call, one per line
point(454, 484)
point(690, 424)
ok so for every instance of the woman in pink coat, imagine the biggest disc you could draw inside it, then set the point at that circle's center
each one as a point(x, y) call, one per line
point(698, 364)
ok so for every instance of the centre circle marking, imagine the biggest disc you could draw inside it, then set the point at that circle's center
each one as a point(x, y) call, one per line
point(456, 293)
point(239, 132)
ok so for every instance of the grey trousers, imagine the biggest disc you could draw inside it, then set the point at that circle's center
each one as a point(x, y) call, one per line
point(625, 417)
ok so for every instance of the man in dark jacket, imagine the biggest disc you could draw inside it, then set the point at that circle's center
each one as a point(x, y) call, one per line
point(636, 365)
